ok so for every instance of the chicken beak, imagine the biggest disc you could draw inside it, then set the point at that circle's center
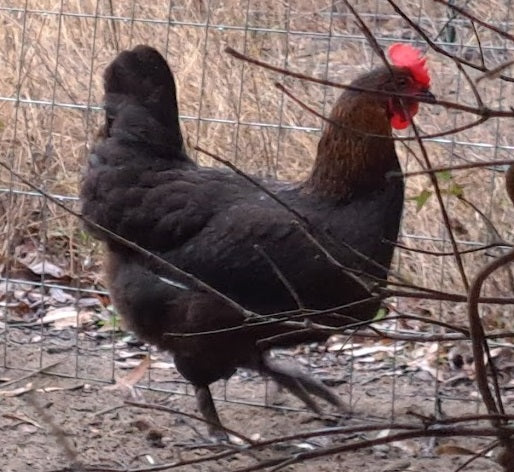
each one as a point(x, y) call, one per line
point(426, 96)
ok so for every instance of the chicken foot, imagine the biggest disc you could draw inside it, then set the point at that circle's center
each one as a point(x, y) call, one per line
point(208, 410)
point(301, 385)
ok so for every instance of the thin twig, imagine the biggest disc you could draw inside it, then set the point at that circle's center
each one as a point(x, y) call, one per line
point(135, 247)
point(311, 110)
point(479, 43)
point(154, 406)
point(475, 19)
point(493, 73)
point(488, 222)
point(303, 223)
point(445, 297)
point(441, 432)
point(442, 254)
point(30, 374)
point(287, 319)
point(469, 165)
point(348, 430)
point(60, 435)
point(407, 428)
point(438, 48)
point(433, 179)
point(486, 112)
point(425, 319)
point(477, 455)
point(479, 342)
point(155, 468)
point(280, 276)
point(442, 207)
point(469, 80)
point(253, 181)
point(354, 273)
point(447, 23)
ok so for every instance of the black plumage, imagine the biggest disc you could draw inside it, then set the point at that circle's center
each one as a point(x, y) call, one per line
point(230, 234)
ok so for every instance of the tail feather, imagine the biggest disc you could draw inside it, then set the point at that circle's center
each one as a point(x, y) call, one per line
point(141, 79)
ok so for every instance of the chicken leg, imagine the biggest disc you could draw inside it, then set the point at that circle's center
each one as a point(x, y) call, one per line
point(300, 384)
point(208, 411)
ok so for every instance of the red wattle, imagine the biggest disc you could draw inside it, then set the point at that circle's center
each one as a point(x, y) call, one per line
point(399, 120)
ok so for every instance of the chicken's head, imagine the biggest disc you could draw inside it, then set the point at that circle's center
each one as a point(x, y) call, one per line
point(410, 77)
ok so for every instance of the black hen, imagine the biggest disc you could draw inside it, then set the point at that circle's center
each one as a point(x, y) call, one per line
point(232, 235)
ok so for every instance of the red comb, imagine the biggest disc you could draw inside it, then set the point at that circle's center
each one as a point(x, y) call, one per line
point(405, 55)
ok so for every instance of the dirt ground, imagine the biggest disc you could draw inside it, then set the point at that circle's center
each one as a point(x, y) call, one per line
point(50, 422)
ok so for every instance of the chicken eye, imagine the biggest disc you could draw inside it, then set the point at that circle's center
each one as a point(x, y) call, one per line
point(401, 81)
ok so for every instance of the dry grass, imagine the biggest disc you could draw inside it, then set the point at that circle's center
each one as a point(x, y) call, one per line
point(58, 60)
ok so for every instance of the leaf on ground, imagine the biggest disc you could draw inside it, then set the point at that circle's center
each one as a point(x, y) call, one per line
point(67, 316)
point(64, 316)
point(88, 302)
point(368, 350)
point(133, 362)
point(17, 307)
point(410, 446)
point(341, 342)
point(9, 304)
point(23, 418)
point(16, 392)
point(128, 381)
point(426, 358)
point(60, 389)
point(433, 371)
point(46, 268)
point(454, 449)
point(60, 296)
point(162, 365)
point(122, 354)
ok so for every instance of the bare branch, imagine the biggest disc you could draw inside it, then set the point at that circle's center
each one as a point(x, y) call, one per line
point(154, 406)
point(469, 165)
point(475, 19)
point(440, 432)
point(477, 331)
point(486, 112)
point(479, 42)
point(135, 247)
point(446, 296)
point(280, 276)
point(436, 47)
point(494, 73)
point(443, 254)
point(302, 222)
point(311, 110)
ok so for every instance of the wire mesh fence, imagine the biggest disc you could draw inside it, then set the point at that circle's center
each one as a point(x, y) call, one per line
point(54, 306)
